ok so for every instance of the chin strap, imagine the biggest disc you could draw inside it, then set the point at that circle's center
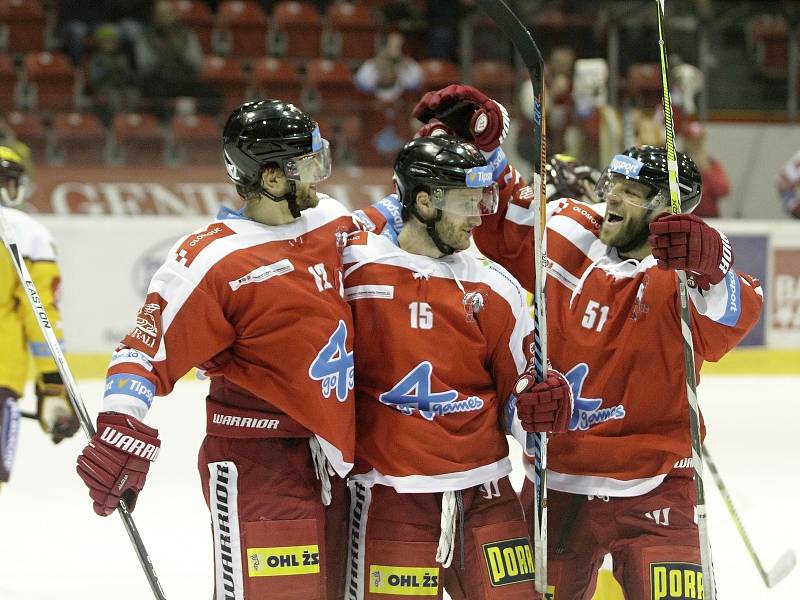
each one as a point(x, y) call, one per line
point(430, 226)
point(290, 197)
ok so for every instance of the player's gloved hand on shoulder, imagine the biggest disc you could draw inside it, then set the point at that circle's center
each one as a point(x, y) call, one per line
point(115, 462)
point(546, 405)
point(470, 113)
point(686, 242)
point(433, 128)
point(55, 413)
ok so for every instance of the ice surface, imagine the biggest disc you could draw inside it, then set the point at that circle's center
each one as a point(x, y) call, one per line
point(52, 545)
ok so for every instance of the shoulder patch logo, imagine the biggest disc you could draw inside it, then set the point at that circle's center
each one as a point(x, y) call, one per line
point(193, 245)
point(146, 335)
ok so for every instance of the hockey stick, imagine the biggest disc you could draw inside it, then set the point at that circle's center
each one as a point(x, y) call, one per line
point(686, 321)
point(784, 564)
point(72, 391)
point(508, 22)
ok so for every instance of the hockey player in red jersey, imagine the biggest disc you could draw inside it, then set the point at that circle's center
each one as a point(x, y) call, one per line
point(442, 337)
point(620, 480)
point(255, 300)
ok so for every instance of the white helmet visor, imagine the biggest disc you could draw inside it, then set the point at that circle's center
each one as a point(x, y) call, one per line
point(313, 167)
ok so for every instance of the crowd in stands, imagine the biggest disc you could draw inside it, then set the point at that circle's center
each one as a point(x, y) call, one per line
point(79, 80)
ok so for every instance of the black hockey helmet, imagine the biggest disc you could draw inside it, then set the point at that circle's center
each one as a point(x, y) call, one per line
point(648, 165)
point(271, 131)
point(438, 163)
point(453, 172)
point(568, 177)
point(12, 169)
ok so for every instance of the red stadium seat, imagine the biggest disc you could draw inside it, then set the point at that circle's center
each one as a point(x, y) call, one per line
point(242, 29)
point(495, 78)
point(353, 30)
point(331, 86)
point(276, 78)
point(196, 15)
point(644, 84)
point(298, 29)
point(22, 23)
point(138, 139)
point(29, 129)
point(8, 84)
point(78, 139)
point(196, 139)
point(50, 81)
point(438, 74)
point(227, 76)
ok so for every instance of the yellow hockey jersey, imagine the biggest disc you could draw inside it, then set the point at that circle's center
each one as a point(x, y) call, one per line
point(20, 336)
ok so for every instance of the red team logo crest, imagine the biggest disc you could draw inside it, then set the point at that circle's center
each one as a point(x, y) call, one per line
point(146, 336)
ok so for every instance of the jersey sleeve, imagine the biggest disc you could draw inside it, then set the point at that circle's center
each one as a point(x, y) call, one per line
point(724, 314)
point(512, 355)
point(506, 237)
point(181, 325)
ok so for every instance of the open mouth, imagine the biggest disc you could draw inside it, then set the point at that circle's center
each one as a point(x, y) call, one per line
point(613, 218)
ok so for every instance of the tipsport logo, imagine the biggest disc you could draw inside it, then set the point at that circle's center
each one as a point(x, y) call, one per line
point(283, 560)
point(625, 165)
point(403, 581)
point(676, 581)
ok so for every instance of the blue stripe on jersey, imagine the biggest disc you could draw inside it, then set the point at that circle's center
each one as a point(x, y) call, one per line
point(733, 306)
point(131, 385)
point(391, 209)
point(498, 161)
point(40, 349)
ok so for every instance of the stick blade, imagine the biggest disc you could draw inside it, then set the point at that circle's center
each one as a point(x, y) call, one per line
point(782, 568)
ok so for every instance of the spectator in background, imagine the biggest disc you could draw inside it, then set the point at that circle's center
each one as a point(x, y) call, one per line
point(169, 57)
point(390, 72)
point(112, 80)
point(78, 20)
point(443, 19)
point(789, 185)
point(715, 180)
point(404, 16)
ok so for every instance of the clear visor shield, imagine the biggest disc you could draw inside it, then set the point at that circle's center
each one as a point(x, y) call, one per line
point(467, 202)
point(614, 186)
point(310, 168)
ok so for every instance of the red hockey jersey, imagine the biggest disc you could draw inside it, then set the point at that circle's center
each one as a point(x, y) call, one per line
point(614, 330)
point(439, 345)
point(260, 306)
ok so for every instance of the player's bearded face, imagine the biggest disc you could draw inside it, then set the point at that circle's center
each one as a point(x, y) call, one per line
point(456, 230)
point(306, 196)
point(626, 222)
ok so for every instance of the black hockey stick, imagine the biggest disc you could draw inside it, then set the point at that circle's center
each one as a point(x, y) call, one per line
point(509, 23)
point(73, 394)
point(686, 324)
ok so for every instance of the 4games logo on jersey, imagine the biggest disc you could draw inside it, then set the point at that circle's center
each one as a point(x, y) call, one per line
point(587, 412)
point(412, 394)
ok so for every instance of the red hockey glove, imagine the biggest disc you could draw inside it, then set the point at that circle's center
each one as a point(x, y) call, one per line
point(544, 406)
point(55, 413)
point(434, 128)
point(115, 462)
point(685, 242)
point(470, 113)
